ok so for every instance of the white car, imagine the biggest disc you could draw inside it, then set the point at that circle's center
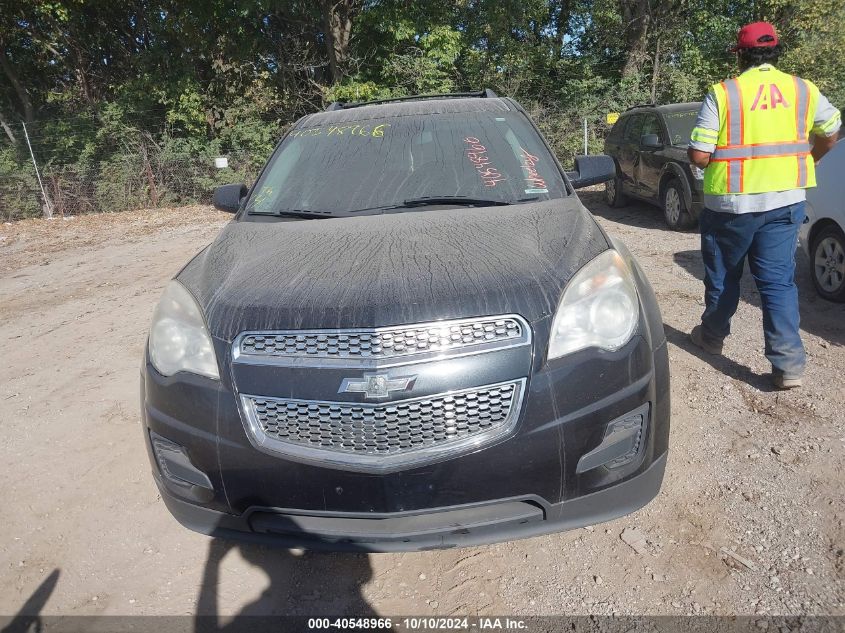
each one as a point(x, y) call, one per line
point(823, 235)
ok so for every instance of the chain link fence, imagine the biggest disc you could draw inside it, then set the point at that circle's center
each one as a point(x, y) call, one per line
point(132, 182)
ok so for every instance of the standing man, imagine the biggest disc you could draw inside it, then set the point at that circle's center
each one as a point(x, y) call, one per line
point(752, 140)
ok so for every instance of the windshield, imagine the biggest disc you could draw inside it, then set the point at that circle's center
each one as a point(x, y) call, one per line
point(680, 126)
point(403, 162)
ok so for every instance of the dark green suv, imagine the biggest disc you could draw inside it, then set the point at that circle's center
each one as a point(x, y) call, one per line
point(649, 146)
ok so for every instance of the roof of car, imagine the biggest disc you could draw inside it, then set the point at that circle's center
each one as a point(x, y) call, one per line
point(667, 107)
point(420, 105)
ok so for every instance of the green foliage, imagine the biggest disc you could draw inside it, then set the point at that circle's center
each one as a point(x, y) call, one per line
point(817, 49)
point(18, 187)
point(186, 114)
point(128, 104)
point(352, 90)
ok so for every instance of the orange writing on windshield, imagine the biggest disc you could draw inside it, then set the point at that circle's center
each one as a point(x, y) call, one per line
point(529, 166)
point(477, 155)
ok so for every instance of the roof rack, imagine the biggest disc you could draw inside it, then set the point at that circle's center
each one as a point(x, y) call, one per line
point(340, 105)
point(642, 105)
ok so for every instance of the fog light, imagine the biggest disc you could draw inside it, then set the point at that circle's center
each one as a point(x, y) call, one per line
point(176, 466)
point(628, 428)
point(623, 442)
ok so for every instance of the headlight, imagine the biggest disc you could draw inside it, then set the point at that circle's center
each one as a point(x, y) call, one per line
point(179, 340)
point(599, 308)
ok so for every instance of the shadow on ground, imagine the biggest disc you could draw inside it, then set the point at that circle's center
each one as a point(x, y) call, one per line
point(28, 619)
point(311, 584)
point(722, 364)
point(637, 214)
point(819, 317)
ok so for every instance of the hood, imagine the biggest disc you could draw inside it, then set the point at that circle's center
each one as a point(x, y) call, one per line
point(379, 270)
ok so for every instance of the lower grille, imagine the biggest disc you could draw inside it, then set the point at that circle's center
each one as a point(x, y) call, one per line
point(387, 435)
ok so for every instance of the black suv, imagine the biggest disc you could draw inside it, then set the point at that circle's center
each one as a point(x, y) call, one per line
point(649, 145)
point(411, 335)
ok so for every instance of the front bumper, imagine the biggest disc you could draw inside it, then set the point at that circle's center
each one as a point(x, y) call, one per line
point(527, 484)
point(436, 528)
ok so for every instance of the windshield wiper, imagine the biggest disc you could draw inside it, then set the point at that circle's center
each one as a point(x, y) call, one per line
point(406, 204)
point(462, 200)
point(457, 200)
point(296, 213)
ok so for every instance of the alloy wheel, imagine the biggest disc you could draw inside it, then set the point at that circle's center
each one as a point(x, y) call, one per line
point(829, 264)
point(673, 206)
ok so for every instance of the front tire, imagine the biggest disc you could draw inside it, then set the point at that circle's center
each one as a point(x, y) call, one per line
point(675, 210)
point(613, 194)
point(827, 263)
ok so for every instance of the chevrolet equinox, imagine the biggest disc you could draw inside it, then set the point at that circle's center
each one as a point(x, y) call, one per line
point(411, 335)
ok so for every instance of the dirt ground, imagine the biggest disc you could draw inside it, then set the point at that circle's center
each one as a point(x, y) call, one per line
point(749, 519)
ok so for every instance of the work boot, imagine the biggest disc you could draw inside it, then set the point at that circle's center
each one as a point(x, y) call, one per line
point(782, 381)
point(707, 343)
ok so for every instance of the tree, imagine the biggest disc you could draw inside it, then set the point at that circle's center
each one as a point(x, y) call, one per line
point(337, 31)
point(118, 92)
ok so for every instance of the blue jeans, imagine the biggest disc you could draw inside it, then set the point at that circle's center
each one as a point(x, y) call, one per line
point(768, 240)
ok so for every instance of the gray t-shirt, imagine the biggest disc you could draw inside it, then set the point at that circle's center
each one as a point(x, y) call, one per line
point(826, 121)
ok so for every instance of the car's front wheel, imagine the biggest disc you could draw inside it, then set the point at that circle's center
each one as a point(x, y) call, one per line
point(827, 257)
point(613, 193)
point(675, 210)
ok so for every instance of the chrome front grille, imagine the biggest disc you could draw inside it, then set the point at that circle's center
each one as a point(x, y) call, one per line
point(379, 437)
point(382, 346)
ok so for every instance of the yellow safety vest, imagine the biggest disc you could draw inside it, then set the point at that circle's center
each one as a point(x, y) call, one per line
point(765, 118)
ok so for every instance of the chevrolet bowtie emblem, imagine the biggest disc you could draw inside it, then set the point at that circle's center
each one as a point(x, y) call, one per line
point(376, 385)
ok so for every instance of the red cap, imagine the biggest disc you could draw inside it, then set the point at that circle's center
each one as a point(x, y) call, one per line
point(754, 35)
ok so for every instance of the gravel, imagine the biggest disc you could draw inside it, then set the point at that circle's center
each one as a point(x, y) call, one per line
point(749, 519)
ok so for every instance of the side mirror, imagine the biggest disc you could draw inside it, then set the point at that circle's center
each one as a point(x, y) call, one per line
point(592, 170)
point(651, 141)
point(228, 197)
